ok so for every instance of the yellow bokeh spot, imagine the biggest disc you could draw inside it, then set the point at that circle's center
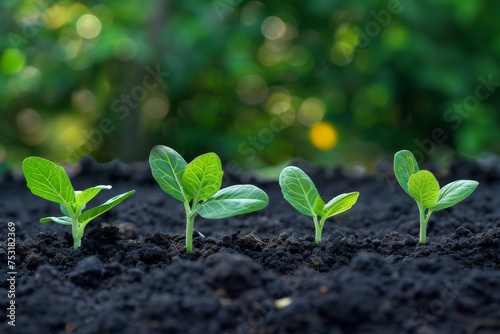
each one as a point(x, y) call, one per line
point(56, 16)
point(88, 26)
point(323, 135)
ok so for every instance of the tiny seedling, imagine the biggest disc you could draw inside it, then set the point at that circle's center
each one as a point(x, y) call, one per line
point(50, 181)
point(423, 187)
point(300, 191)
point(197, 185)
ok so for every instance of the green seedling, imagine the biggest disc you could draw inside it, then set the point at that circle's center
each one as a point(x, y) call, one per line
point(197, 185)
point(50, 181)
point(423, 187)
point(300, 191)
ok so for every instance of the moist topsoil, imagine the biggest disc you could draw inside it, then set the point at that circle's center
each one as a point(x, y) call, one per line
point(260, 272)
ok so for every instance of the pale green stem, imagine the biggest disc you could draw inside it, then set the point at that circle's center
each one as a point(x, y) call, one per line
point(319, 228)
point(75, 231)
point(424, 219)
point(190, 214)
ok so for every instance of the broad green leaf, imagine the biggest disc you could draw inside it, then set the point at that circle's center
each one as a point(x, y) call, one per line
point(424, 188)
point(319, 206)
point(454, 192)
point(405, 165)
point(90, 214)
point(59, 220)
point(167, 167)
point(299, 190)
point(48, 180)
point(202, 177)
point(340, 204)
point(83, 197)
point(232, 201)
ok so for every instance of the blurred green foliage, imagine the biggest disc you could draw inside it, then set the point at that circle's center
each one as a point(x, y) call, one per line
point(257, 82)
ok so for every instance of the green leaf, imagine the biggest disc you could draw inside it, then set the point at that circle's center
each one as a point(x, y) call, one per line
point(48, 180)
point(83, 197)
point(319, 206)
point(90, 214)
point(202, 177)
point(424, 188)
point(340, 204)
point(453, 193)
point(232, 201)
point(60, 220)
point(405, 165)
point(167, 167)
point(299, 190)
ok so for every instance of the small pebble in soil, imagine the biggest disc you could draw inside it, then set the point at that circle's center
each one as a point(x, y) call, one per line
point(128, 230)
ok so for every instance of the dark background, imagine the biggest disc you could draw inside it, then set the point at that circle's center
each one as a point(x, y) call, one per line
point(333, 82)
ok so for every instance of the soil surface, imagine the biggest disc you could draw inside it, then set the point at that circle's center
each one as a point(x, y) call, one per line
point(260, 272)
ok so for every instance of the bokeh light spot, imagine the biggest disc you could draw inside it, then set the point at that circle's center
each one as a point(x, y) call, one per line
point(56, 16)
point(346, 40)
point(342, 53)
point(251, 12)
point(125, 49)
point(12, 61)
point(252, 89)
point(300, 56)
point(83, 100)
point(156, 108)
point(30, 125)
point(323, 136)
point(273, 28)
point(28, 121)
point(66, 49)
point(88, 26)
point(268, 57)
point(28, 78)
point(311, 111)
point(396, 37)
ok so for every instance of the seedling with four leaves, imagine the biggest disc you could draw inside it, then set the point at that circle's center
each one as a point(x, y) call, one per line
point(50, 181)
point(197, 185)
point(300, 191)
point(423, 187)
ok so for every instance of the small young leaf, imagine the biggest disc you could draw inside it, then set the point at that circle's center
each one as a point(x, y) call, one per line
point(424, 188)
point(299, 190)
point(48, 180)
point(60, 220)
point(202, 177)
point(340, 204)
point(405, 165)
point(319, 206)
point(232, 201)
point(454, 192)
point(65, 211)
point(83, 197)
point(90, 214)
point(167, 167)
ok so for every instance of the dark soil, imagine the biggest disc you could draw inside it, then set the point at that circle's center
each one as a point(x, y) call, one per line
point(256, 273)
